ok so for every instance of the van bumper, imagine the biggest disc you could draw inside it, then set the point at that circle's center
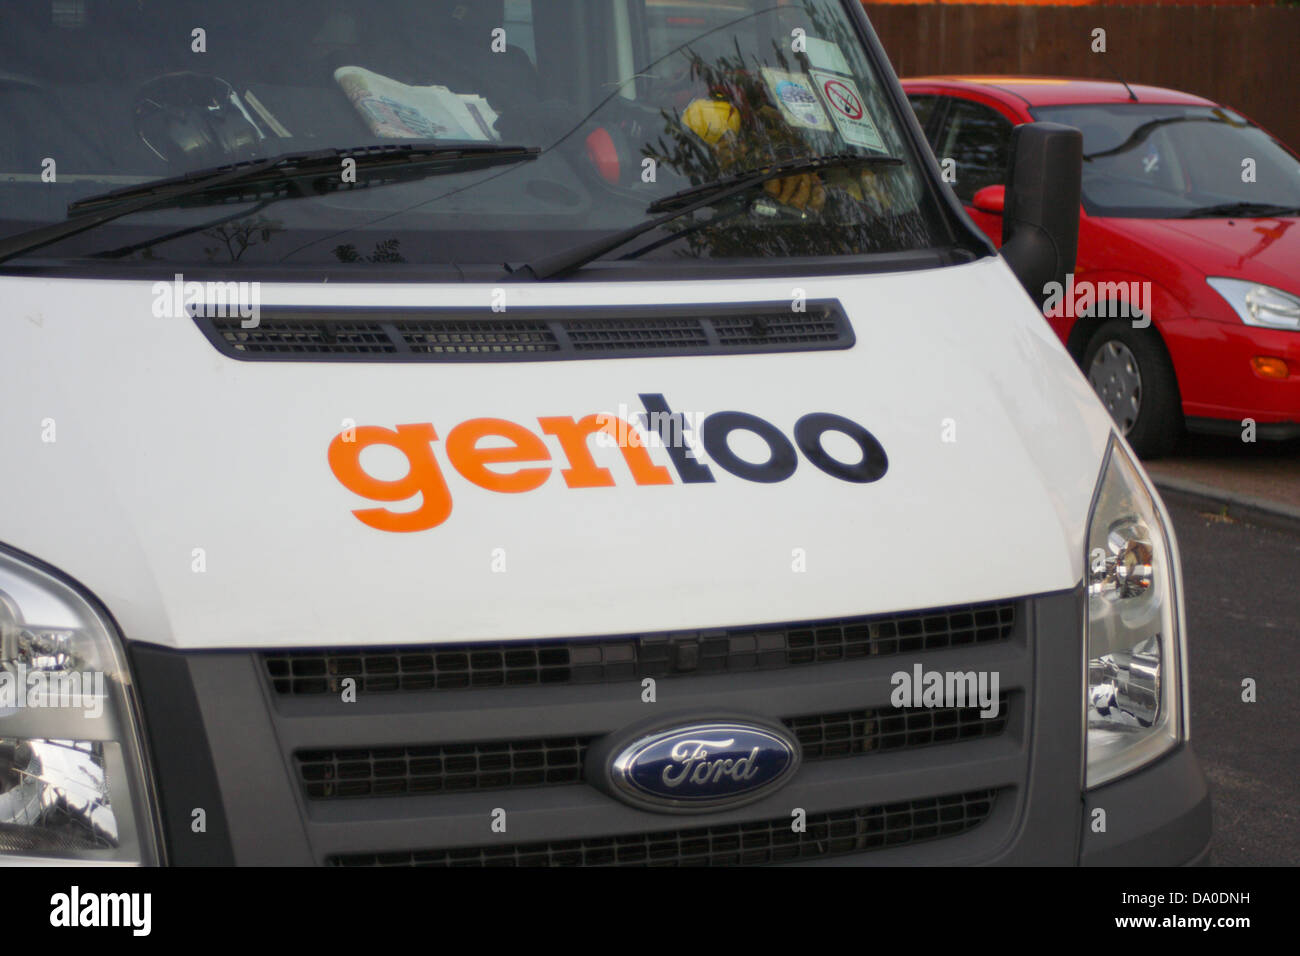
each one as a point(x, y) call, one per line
point(1159, 816)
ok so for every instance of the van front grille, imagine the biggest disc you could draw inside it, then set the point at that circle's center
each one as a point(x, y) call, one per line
point(738, 844)
point(624, 658)
point(495, 771)
point(510, 764)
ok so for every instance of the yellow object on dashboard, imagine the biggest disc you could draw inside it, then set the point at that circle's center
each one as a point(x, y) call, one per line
point(711, 119)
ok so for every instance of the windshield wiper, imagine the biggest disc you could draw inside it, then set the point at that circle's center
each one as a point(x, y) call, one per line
point(1245, 210)
point(687, 201)
point(1139, 133)
point(288, 175)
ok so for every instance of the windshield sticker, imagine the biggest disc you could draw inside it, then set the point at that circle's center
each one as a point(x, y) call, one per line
point(794, 95)
point(1151, 161)
point(848, 109)
point(824, 55)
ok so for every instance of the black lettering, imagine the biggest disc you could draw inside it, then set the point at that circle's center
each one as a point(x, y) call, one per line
point(671, 429)
point(778, 467)
point(808, 433)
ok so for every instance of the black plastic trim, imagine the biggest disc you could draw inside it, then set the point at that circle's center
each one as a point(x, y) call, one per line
point(1160, 815)
point(556, 322)
point(182, 761)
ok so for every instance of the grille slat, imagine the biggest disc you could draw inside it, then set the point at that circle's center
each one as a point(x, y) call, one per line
point(529, 334)
point(306, 338)
point(607, 660)
point(511, 764)
point(604, 335)
point(850, 733)
point(767, 841)
point(775, 327)
point(458, 339)
point(500, 765)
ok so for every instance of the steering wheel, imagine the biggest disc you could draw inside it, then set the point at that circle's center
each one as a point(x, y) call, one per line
point(195, 119)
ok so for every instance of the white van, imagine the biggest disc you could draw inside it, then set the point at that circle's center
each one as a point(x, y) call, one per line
point(581, 432)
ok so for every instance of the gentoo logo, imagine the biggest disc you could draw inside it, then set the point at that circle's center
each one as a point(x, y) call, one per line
point(511, 444)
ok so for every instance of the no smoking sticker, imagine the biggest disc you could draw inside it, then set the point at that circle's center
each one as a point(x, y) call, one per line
point(848, 109)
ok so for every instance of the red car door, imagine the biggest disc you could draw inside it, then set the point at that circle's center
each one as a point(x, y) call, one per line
point(973, 148)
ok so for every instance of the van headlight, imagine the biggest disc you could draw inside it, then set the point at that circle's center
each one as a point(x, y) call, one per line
point(1135, 684)
point(73, 787)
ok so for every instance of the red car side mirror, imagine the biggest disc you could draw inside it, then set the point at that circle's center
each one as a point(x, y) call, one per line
point(990, 199)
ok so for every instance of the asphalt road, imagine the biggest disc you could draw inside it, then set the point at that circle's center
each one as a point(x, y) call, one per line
point(1242, 591)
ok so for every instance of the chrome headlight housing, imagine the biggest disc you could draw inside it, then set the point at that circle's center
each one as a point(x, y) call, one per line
point(73, 783)
point(1259, 305)
point(1134, 706)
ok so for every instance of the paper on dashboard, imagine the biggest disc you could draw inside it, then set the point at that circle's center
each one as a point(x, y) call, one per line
point(395, 110)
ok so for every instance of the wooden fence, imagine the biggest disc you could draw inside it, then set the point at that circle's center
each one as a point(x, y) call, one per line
point(1246, 57)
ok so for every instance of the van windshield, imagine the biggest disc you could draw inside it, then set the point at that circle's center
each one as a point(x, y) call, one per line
point(626, 102)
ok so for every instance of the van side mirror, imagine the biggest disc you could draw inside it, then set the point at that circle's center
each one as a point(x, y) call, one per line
point(1040, 223)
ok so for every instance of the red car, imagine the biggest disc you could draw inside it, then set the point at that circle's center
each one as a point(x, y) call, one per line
point(1184, 308)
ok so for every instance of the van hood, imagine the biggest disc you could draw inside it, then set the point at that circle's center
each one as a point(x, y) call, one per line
point(1257, 250)
point(193, 496)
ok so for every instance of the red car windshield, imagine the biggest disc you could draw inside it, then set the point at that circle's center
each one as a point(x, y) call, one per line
point(1154, 161)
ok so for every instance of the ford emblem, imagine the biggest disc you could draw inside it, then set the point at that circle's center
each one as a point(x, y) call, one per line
point(710, 765)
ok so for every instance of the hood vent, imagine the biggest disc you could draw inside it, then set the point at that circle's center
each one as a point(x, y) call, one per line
point(530, 335)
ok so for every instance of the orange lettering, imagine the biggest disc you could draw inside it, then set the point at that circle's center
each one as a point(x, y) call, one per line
point(472, 461)
point(424, 477)
point(583, 471)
